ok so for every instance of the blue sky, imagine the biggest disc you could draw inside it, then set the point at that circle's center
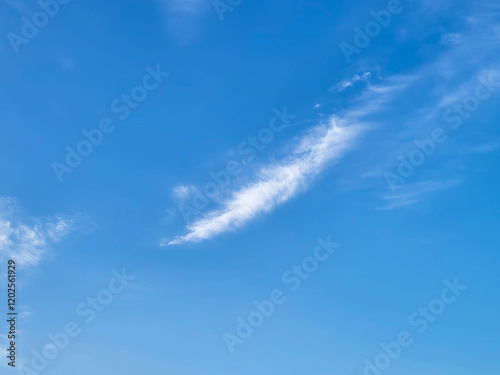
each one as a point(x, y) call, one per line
point(206, 149)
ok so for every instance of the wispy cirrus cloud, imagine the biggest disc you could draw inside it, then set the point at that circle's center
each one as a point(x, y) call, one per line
point(27, 241)
point(278, 182)
point(453, 76)
point(182, 191)
point(345, 83)
point(412, 194)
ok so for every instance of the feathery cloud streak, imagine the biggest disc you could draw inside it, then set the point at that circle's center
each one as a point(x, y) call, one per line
point(27, 243)
point(277, 183)
point(318, 149)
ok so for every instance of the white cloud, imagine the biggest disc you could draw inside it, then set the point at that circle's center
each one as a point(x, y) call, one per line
point(411, 194)
point(27, 241)
point(277, 183)
point(182, 191)
point(345, 83)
